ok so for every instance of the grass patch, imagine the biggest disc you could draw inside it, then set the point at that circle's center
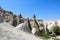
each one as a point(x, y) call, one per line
point(45, 36)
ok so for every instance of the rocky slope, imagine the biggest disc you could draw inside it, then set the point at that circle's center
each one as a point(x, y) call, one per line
point(8, 32)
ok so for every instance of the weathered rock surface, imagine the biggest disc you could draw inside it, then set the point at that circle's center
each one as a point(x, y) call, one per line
point(23, 27)
point(8, 32)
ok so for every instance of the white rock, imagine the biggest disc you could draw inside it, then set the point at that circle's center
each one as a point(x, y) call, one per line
point(58, 37)
point(8, 32)
point(33, 30)
point(23, 27)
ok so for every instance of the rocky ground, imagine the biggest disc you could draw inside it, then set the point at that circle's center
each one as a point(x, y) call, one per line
point(8, 32)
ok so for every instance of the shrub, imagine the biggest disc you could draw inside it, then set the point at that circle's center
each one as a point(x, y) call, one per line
point(45, 36)
point(53, 35)
point(56, 30)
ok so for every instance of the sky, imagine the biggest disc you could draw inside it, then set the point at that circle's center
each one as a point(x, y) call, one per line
point(43, 9)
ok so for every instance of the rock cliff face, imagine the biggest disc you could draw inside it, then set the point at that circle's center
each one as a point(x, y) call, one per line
point(51, 24)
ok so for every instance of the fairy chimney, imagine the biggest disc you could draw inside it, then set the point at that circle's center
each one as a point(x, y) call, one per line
point(46, 30)
point(14, 22)
point(19, 19)
point(28, 24)
point(35, 24)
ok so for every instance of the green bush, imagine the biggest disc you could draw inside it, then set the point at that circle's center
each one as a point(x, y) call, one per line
point(53, 35)
point(45, 36)
point(56, 30)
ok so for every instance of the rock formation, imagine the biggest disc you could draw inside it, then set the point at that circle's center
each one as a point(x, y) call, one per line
point(28, 24)
point(9, 17)
point(35, 22)
point(6, 15)
point(46, 31)
point(14, 22)
point(35, 26)
point(19, 19)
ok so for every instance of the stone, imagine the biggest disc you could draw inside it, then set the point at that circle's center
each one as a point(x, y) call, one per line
point(8, 32)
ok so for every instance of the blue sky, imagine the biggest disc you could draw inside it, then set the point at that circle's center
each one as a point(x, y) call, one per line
point(43, 9)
